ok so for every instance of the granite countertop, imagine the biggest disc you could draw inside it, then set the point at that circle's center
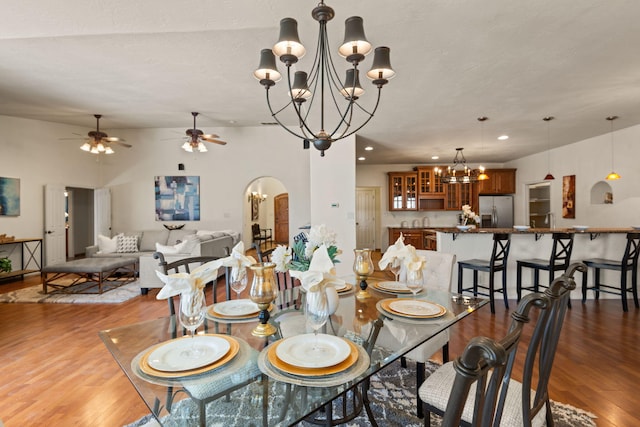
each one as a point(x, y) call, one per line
point(594, 230)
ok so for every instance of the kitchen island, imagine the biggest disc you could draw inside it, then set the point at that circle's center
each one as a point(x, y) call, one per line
point(596, 242)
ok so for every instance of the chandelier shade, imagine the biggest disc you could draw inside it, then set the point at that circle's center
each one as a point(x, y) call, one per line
point(326, 107)
point(458, 172)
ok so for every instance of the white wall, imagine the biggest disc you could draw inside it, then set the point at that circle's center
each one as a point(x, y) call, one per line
point(590, 162)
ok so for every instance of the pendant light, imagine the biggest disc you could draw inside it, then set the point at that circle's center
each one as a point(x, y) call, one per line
point(548, 177)
point(612, 176)
point(483, 176)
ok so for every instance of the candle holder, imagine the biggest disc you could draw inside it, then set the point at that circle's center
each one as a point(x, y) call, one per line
point(263, 292)
point(363, 268)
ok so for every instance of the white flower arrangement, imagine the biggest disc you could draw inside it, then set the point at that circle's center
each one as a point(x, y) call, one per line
point(303, 252)
point(468, 214)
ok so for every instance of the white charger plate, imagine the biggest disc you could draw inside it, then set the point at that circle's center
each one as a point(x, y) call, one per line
point(393, 286)
point(170, 356)
point(236, 307)
point(416, 307)
point(299, 351)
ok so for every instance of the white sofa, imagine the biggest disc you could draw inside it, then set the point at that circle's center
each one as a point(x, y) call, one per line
point(201, 243)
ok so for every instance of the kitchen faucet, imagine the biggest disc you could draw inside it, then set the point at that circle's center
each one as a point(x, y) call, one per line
point(549, 217)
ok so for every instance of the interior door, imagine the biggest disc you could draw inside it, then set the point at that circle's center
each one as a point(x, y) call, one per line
point(102, 213)
point(54, 224)
point(281, 218)
point(366, 218)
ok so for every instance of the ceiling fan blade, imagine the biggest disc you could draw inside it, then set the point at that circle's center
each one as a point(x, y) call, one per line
point(210, 135)
point(112, 139)
point(119, 142)
point(215, 141)
point(70, 139)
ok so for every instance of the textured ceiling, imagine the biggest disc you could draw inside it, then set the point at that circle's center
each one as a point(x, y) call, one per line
point(149, 63)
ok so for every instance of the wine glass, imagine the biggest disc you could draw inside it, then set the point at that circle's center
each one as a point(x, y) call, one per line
point(316, 312)
point(238, 280)
point(414, 281)
point(192, 311)
point(395, 266)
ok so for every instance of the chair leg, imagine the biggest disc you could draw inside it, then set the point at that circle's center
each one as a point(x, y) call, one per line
point(584, 286)
point(536, 279)
point(445, 353)
point(519, 282)
point(419, 380)
point(596, 283)
point(475, 283)
point(460, 270)
point(504, 288)
point(491, 291)
point(634, 285)
point(623, 289)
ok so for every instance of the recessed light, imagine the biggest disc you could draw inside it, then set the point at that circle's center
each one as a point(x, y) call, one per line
point(435, 157)
point(503, 137)
point(362, 158)
point(368, 148)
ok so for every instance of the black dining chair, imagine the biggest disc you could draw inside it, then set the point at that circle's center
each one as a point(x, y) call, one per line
point(559, 260)
point(628, 264)
point(497, 264)
point(498, 399)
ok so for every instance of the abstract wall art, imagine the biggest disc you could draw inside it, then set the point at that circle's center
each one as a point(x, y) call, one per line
point(177, 198)
point(9, 196)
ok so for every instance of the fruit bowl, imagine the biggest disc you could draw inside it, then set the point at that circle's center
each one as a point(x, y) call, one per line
point(521, 227)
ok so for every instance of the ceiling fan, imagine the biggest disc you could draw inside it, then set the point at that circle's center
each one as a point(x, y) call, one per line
point(99, 142)
point(196, 138)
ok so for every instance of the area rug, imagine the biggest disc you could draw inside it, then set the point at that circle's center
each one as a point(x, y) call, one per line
point(34, 294)
point(392, 396)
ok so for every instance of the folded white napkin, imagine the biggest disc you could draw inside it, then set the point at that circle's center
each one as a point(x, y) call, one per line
point(178, 283)
point(412, 260)
point(321, 269)
point(397, 250)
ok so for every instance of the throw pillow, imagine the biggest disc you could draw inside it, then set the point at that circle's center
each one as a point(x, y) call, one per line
point(185, 247)
point(107, 245)
point(127, 244)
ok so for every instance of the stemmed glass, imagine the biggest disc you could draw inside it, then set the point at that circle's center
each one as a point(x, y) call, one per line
point(238, 280)
point(414, 281)
point(316, 313)
point(192, 311)
point(395, 266)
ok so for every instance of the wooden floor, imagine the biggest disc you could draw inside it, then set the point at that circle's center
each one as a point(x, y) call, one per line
point(56, 371)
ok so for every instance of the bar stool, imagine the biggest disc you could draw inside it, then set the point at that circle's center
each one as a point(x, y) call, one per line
point(497, 263)
point(628, 263)
point(559, 261)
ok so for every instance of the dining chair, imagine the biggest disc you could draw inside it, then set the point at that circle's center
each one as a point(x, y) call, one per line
point(628, 263)
point(437, 274)
point(261, 234)
point(477, 389)
point(497, 264)
point(559, 260)
point(262, 255)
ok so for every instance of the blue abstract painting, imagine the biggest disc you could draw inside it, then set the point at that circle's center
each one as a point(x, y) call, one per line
point(9, 196)
point(177, 198)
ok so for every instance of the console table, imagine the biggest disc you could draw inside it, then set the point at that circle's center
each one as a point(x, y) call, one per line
point(31, 257)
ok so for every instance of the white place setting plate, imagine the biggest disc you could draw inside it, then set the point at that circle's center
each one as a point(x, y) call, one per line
point(170, 357)
point(417, 308)
point(393, 287)
point(299, 350)
point(236, 307)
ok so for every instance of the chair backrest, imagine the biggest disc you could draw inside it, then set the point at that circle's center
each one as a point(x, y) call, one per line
point(486, 365)
point(288, 290)
point(185, 265)
point(632, 250)
point(500, 252)
point(437, 271)
point(255, 230)
point(561, 249)
point(262, 255)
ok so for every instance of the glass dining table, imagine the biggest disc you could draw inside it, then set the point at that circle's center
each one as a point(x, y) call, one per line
point(252, 384)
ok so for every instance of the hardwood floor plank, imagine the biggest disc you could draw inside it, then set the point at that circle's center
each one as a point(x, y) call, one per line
point(56, 371)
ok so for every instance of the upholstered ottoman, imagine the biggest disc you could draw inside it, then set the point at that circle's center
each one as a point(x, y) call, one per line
point(92, 271)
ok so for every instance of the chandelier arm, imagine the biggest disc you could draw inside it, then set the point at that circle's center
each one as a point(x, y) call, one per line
point(275, 116)
point(368, 119)
point(296, 106)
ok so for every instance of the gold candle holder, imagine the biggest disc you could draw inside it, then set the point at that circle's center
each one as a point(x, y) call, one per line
point(363, 268)
point(263, 292)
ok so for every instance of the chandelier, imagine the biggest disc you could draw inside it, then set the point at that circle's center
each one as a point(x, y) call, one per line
point(458, 172)
point(322, 88)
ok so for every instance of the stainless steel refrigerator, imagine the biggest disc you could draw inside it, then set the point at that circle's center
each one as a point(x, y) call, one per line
point(496, 211)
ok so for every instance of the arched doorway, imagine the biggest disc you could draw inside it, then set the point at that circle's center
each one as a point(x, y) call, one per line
point(267, 204)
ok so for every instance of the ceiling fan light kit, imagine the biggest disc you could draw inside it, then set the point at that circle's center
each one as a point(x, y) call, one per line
point(99, 142)
point(322, 86)
point(196, 138)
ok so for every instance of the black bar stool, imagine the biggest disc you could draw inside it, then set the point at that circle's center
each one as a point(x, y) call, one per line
point(497, 263)
point(628, 263)
point(559, 261)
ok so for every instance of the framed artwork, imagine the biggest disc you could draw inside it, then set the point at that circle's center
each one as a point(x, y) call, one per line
point(177, 198)
point(255, 208)
point(569, 196)
point(9, 196)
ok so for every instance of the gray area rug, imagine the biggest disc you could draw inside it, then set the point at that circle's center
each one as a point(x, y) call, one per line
point(393, 399)
point(111, 295)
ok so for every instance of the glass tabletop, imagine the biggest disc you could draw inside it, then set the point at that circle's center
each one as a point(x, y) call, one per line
point(253, 385)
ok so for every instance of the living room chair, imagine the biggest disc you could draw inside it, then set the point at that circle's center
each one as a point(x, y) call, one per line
point(477, 389)
point(497, 264)
point(628, 263)
point(261, 235)
point(558, 261)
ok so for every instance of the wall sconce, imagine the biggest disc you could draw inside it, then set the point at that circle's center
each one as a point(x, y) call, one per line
point(257, 197)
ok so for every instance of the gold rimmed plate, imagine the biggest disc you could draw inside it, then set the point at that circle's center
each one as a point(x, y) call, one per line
point(214, 315)
point(393, 287)
point(236, 308)
point(411, 308)
point(146, 368)
point(312, 372)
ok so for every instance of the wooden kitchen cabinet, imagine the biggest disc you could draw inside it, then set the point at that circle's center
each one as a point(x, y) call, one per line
point(403, 191)
point(414, 238)
point(461, 194)
point(431, 194)
point(501, 181)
